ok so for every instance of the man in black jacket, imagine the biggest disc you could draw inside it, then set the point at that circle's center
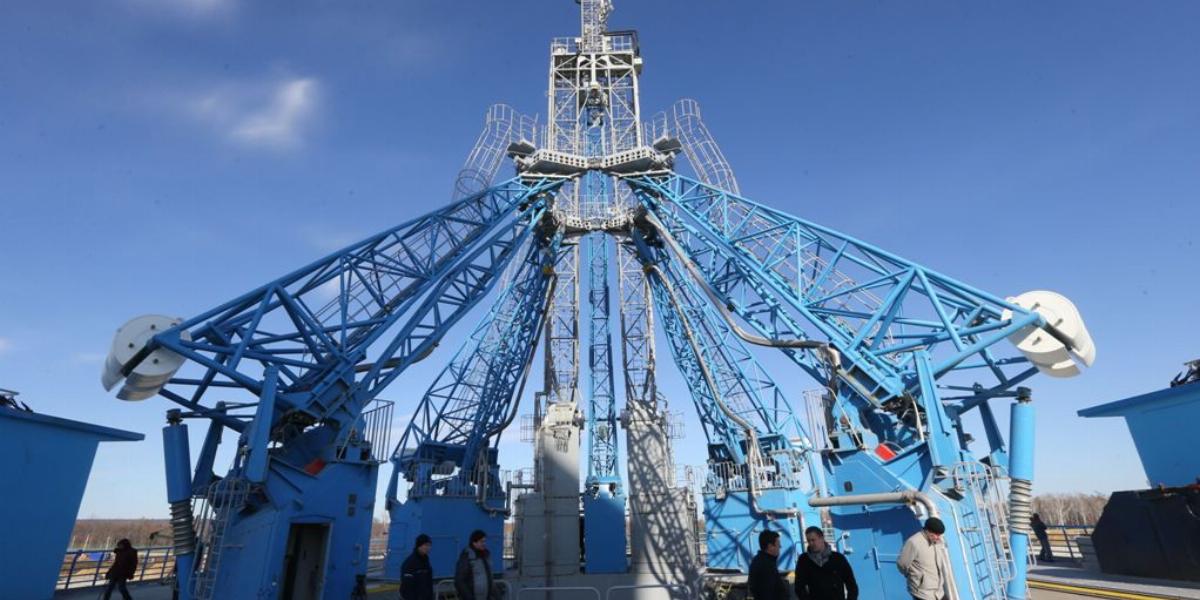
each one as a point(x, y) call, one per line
point(765, 582)
point(416, 575)
point(821, 573)
point(1039, 529)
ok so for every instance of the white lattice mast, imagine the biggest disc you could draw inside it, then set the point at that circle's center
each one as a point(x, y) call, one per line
point(562, 328)
point(593, 109)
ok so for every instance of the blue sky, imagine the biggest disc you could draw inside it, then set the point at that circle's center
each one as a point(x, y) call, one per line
point(164, 156)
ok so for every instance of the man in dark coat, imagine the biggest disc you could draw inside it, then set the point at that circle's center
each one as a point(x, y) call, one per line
point(765, 582)
point(123, 569)
point(473, 573)
point(1039, 530)
point(822, 573)
point(416, 574)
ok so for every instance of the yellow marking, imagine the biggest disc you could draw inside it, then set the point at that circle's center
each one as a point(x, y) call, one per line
point(1090, 591)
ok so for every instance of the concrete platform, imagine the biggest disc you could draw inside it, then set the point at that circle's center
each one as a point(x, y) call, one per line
point(1046, 583)
point(154, 591)
point(1047, 579)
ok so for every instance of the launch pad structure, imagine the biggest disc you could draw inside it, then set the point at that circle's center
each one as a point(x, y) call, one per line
point(616, 230)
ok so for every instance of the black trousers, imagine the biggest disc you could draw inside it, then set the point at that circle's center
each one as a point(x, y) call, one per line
point(116, 583)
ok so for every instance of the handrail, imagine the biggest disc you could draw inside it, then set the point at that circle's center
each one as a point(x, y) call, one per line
point(79, 570)
point(649, 586)
point(562, 589)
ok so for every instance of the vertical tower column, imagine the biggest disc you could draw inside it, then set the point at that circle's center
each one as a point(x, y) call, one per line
point(663, 537)
point(604, 494)
point(547, 519)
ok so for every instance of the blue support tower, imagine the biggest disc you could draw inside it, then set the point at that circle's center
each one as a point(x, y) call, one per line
point(459, 422)
point(603, 494)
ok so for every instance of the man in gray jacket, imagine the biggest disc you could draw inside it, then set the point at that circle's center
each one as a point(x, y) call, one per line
point(923, 562)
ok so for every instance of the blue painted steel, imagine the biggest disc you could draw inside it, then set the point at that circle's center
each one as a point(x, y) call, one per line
point(905, 335)
point(1159, 422)
point(177, 460)
point(1021, 423)
point(735, 511)
point(780, 271)
point(45, 472)
point(299, 360)
point(1020, 469)
point(603, 495)
point(449, 521)
point(731, 527)
point(604, 540)
point(461, 416)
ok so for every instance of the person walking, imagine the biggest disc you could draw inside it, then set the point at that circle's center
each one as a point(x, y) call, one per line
point(473, 573)
point(123, 569)
point(822, 573)
point(923, 562)
point(416, 574)
point(1039, 529)
point(765, 582)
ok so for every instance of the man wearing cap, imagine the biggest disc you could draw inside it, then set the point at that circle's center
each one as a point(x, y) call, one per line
point(923, 562)
point(416, 575)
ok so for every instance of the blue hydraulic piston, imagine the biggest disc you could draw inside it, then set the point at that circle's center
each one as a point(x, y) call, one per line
point(1020, 472)
point(178, 461)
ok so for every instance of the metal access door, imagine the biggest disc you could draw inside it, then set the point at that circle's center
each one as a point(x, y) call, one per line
point(304, 563)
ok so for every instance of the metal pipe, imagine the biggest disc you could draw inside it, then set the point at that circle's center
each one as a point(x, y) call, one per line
point(902, 497)
point(1020, 472)
point(834, 358)
point(751, 434)
point(177, 459)
point(512, 413)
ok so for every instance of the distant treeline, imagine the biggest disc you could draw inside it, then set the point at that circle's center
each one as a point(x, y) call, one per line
point(97, 534)
point(1070, 509)
point(94, 534)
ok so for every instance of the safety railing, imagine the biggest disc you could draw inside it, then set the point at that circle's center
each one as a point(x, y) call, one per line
point(544, 590)
point(669, 587)
point(87, 568)
point(374, 429)
point(448, 584)
point(1062, 540)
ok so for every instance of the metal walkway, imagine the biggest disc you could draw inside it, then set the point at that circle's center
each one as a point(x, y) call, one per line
point(1060, 582)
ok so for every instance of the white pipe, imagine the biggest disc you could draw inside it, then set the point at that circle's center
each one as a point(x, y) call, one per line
point(904, 497)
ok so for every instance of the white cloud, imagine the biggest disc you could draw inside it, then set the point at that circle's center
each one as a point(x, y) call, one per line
point(5, 345)
point(279, 123)
point(271, 116)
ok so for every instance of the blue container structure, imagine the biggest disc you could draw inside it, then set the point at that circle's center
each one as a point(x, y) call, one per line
point(1161, 424)
point(45, 470)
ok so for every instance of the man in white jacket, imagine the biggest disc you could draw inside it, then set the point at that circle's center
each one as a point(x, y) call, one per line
point(923, 562)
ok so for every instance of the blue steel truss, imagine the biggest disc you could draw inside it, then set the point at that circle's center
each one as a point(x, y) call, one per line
point(472, 400)
point(741, 383)
point(317, 326)
point(603, 458)
point(793, 279)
